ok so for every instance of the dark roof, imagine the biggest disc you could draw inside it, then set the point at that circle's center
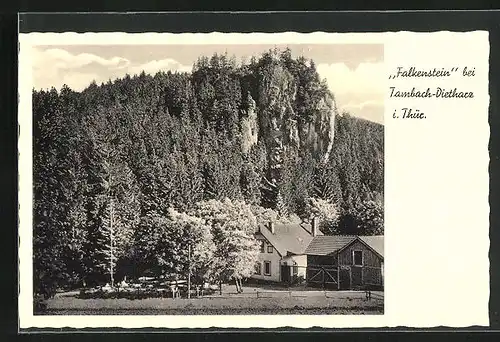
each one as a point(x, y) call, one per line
point(289, 238)
point(327, 245)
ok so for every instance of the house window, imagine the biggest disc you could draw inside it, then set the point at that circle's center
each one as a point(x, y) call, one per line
point(258, 269)
point(267, 268)
point(269, 249)
point(262, 246)
point(357, 258)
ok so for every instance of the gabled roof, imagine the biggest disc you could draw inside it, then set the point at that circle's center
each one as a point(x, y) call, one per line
point(331, 244)
point(376, 242)
point(289, 238)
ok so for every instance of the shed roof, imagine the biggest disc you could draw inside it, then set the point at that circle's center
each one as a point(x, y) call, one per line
point(289, 238)
point(330, 244)
point(376, 242)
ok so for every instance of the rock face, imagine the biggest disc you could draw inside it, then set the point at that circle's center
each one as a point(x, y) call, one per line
point(277, 93)
point(249, 125)
point(273, 119)
point(318, 134)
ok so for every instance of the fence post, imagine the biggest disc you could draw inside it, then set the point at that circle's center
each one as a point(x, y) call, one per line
point(338, 277)
point(189, 272)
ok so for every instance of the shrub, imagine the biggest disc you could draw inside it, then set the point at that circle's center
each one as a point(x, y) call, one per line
point(39, 303)
point(132, 293)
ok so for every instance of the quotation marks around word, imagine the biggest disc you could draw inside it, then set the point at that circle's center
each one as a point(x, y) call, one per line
point(414, 72)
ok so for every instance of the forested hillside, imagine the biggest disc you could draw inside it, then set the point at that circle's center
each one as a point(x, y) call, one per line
point(123, 154)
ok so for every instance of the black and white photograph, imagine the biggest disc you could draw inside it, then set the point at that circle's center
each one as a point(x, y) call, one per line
point(208, 179)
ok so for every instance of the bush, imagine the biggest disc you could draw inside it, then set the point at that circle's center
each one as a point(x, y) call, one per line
point(39, 303)
point(127, 293)
point(298, 280)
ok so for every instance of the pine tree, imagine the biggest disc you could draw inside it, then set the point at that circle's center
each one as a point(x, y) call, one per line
point(222, 167)
point(281, 206)
point(112, 197)
point(58, 191)
point(327, 184)
point(108, 243)
point(250, 184)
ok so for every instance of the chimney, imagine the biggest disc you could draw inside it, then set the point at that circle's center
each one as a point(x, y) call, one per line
point(314, 226)
point(271, 226)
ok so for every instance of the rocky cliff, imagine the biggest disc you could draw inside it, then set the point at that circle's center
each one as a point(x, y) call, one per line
point(276, 120)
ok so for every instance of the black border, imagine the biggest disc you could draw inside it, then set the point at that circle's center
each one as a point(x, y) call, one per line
point(347, 21)
point(8, 168)
point(240, 22)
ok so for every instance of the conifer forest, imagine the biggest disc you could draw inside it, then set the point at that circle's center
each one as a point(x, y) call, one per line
point(133, 174)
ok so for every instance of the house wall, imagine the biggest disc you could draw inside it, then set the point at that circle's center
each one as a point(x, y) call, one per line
point(301, 261)
point(296, 260)
point(382, 272)
point(372, 264)
point(275, 260)
point(372, 276)
point(324, 260)
point(369, 257)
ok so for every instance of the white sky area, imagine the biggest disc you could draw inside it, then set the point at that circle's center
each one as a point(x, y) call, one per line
point(354, 74)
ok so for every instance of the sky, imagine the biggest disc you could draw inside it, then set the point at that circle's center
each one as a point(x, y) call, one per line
point(354, 72)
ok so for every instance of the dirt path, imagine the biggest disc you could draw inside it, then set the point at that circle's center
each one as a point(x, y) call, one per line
point(246, 303)
point(247, 311)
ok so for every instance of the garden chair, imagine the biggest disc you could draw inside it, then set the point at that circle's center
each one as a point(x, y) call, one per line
point(175, 292)
point(199, 289)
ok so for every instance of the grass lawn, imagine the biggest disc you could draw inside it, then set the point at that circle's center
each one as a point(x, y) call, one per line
point(250, 301)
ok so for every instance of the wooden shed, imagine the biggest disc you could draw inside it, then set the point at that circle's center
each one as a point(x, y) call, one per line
point(346, 262)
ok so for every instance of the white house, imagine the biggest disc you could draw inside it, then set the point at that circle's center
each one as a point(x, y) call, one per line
point(282, 257)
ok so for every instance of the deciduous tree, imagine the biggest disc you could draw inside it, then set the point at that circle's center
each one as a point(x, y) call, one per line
point(232, 225)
